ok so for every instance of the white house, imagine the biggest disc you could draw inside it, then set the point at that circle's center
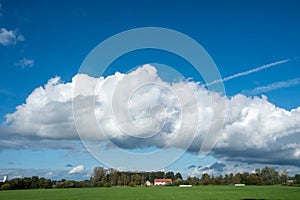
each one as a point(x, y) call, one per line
point(4, 179)
point(148, 183)
point(163, 181)
point(290, 181)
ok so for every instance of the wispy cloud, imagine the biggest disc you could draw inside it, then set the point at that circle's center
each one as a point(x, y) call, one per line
point(77, 170)
point(10, 37)
point(266, 66)
point(273, 86)
point(25, 62)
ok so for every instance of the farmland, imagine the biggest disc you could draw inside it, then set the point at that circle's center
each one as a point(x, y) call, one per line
point(145, 193)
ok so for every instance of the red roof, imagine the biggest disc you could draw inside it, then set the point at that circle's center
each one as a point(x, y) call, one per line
point(162, 180)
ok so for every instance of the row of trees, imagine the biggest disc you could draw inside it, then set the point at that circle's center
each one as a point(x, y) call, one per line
point(111, 177)
point(265, 176)
point(27, 183)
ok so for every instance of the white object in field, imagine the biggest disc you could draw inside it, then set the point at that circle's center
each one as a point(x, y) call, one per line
point(239, 185)
point(185, 185)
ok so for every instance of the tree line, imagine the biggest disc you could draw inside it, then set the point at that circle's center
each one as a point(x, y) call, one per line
point(110, 177)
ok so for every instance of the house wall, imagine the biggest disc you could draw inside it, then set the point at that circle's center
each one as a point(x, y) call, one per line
point(160, 183)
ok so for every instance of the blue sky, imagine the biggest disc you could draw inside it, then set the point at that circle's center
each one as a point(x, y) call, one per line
point(52, 38)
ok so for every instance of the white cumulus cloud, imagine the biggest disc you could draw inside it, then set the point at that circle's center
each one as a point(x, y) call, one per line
point(139, 110)
point(10, 37)
point(77, 169)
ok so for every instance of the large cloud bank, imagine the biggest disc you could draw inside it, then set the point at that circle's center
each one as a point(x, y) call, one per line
point(139, 110)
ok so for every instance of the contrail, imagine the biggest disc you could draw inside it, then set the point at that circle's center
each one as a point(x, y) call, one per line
point(248, 72)
point(274, 86)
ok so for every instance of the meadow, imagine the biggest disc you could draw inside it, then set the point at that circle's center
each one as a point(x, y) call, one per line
point(149, 193)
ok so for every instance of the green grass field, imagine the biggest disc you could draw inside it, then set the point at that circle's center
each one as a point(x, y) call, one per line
point(143, 193)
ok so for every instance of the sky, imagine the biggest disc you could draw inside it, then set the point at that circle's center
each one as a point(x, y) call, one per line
point(254, 45)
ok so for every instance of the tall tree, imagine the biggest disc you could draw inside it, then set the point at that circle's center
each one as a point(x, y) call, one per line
point(99, 177)
point(284, 176)
point(205, 179)
point(170, 175)
point(178, 176)
point(34, 182)
point(236, 179)
point(269, 176)
point(297, 178)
